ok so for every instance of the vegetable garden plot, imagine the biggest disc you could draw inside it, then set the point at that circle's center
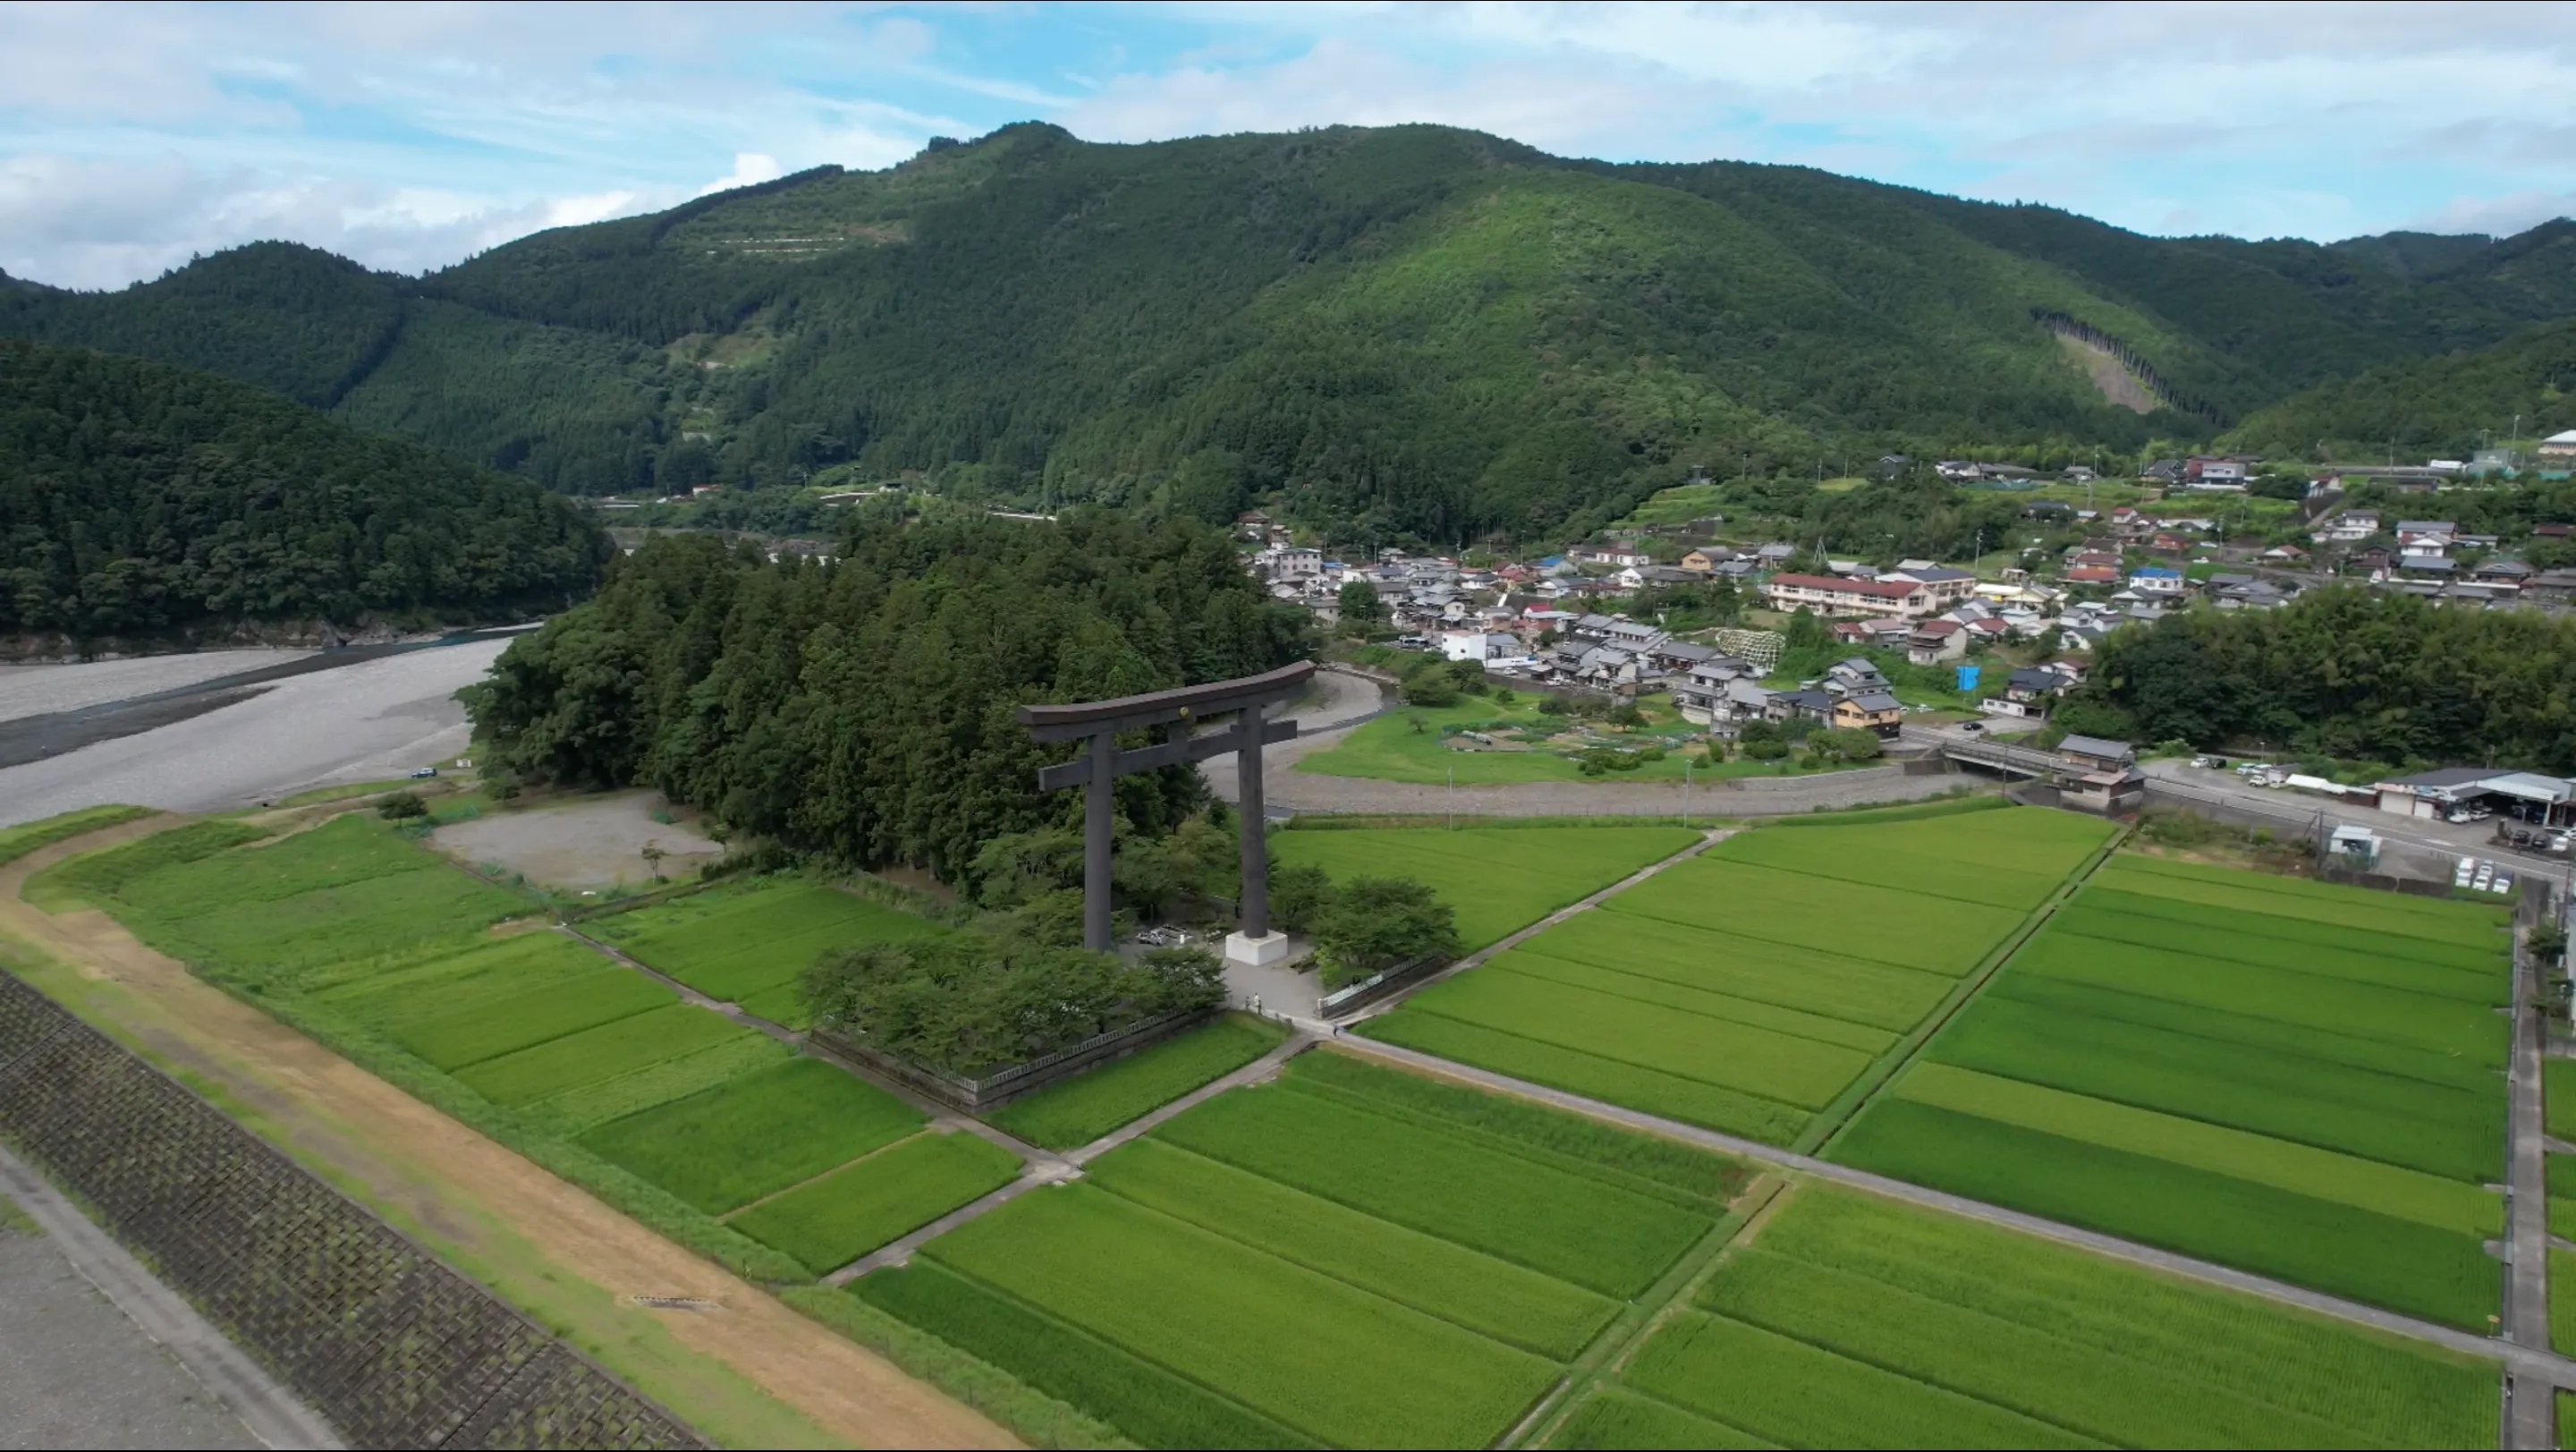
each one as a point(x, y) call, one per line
point(2490, 985)
point(596, 1055)
point(1072, 1114)
point(1612, 1419)
point(2261, 930)
point(1810, 980)
point(1798, 1395)
point(488, 1030)
point(1496, 1298)
point(2406, 1266)
point(1801, 1071)
point(2363, 1010)
point(1150, 1405)
point(1691, 1101)
point(2434, 1128)
point(1884, 925)
point(1864, 855)
point(1604, 1237)
point(1359, 1370)
point(756, 1135)
point(2300, 1169)
point(2382, 912)
point(886, 1195)
point(2374, 1387)
point(2452, 1071)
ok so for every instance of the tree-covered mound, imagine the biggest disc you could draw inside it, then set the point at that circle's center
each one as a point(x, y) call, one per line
point(140, 502)
point(1410, 331)
point(866, 709)
point(2346, 673)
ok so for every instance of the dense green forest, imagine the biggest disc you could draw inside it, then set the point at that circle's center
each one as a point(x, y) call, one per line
point(2346, 673)
point(1403, 333)
point(144, 502)
point(865, 709)
point(2452, 404)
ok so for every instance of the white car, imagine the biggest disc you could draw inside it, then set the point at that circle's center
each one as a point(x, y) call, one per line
point(2503, 882)
point(2460, 876)
point(2486, 875)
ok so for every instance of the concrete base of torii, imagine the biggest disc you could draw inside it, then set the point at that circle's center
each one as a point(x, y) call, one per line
point(1260, 952)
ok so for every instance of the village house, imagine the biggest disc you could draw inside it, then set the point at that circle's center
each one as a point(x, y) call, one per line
point(1946, 586)
point(1935, 641)
point(1828, 596)
point(1872, 711)
point(2156, 580)
point(2095, 775)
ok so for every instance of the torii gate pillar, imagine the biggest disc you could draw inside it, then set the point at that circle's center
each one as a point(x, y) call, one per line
point(1097, 771)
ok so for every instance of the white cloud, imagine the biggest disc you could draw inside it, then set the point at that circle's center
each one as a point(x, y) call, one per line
point(750, 168)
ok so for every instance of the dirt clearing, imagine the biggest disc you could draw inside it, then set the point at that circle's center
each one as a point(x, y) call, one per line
point(597, 842)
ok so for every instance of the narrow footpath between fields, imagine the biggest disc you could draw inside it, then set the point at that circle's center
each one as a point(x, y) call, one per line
point(2531, 1412)
point(541, 1242)
point(2539, 1364)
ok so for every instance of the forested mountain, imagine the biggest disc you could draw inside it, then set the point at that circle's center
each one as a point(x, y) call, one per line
point(868, 709)
point(2452, 404)
point(2347, 673)
point(144, 502)
point(1407, 330)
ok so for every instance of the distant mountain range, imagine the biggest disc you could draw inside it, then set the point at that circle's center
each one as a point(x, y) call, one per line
point(1411, 329)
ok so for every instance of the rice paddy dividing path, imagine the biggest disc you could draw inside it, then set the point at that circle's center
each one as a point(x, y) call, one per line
point(1069, 1165)
point(2531, 1418)
point(2535, 1363)
point(538, 1240)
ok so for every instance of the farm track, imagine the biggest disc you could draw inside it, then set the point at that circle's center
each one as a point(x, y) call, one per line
point(2531, 1413)
point(1057, 1170)
point(2535, 1363)
point(410, 1160)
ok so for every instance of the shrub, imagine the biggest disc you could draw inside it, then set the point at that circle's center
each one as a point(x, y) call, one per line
point(1626, 716)
point(402, 806)
point(970, 1001)
point(1811, 760)
point(1551, 705)
point(1767, 749)
point(1375, 923)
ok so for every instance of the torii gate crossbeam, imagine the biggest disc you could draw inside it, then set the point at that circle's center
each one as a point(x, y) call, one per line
point(1097, 770)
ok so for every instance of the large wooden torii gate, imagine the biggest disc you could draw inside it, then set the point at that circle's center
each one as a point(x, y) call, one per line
point(1097, 770)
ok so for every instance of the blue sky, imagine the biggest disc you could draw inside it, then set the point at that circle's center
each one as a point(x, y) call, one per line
point(410, 136)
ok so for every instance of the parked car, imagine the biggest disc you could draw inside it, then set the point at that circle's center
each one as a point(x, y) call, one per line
point(1972, 726)
point(425, 773)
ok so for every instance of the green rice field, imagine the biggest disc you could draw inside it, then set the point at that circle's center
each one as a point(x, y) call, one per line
point(1499, 879)
point(1347, 1256)
point(1748, 988)
point(1849, 1321)
point(746, 943)
point(1072, 1114)
point(2300, 1079)
point(705, 1128)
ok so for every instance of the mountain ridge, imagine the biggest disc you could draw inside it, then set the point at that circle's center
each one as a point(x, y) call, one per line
point(1405, 330)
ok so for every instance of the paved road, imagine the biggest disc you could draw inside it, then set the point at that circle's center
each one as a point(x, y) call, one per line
point(2536, 1364)
point(2532, 1411)
point(95, 1352)
point(1286, 788)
